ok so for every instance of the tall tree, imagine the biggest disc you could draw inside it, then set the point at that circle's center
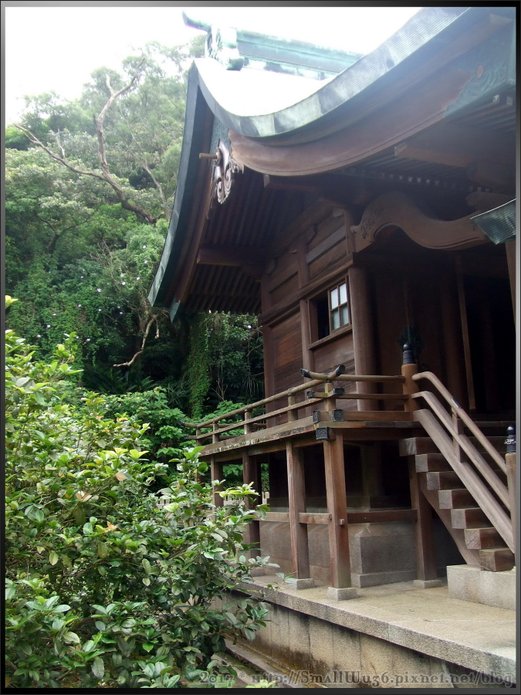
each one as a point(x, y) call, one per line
point(116, 148)
point(89, 190)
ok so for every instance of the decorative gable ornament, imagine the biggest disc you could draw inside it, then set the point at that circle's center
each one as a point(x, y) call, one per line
point(221, 45)
point(224, 170)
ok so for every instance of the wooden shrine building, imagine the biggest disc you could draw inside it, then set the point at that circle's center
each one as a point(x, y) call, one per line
point(365, 208)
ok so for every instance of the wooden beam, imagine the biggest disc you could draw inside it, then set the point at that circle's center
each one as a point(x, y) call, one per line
point(277, 517)
point(297, 504)
point(425, 551)
point(459, 146)
point(399, 210)
point(369, 516)
point(283, 183)
point(339, 562)
point(248, 258)
point(489, 173)
point(216, 474)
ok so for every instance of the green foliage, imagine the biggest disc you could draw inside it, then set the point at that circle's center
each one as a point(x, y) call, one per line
point(198, 366)
point(224, 362)
point(82, 262)
point(166, 434)
point(109, 584)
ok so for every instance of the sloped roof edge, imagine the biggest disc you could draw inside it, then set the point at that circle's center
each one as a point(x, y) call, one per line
point(286, 126)
point(195, 140)
point(326, 98)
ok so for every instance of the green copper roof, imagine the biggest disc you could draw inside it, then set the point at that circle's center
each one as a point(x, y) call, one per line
point(498, 224)
point(238, 48)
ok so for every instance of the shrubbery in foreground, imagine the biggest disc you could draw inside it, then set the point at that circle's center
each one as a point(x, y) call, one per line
point(108, 583)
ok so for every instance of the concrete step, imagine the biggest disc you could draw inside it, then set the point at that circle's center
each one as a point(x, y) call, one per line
point(426, 463)
point(442, 480)
point(454, 498)
point(481, 538)
point(496, 559)
point(468, 517)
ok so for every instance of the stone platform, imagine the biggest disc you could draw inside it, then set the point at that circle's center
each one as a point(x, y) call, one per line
point(396, 635)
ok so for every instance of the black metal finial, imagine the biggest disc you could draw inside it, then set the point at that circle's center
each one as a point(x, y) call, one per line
point(408, 354)
point(510, 441)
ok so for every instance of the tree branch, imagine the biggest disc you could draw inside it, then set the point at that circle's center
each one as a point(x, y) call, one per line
point(57, 158)
point(159, 188)
point(150, 322)
point(106, 175)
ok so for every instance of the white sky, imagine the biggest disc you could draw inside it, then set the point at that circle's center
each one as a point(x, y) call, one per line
point(57, 48)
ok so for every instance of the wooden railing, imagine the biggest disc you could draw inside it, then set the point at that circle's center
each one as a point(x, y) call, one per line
point(256, 416)
point(480, 467)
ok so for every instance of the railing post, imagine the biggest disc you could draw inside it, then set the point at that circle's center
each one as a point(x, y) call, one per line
point(510, 460)
point(247, 416)
point(458, 428)
point(215, 435)
point(292, 414)
point(409, 368)
point(330, 398)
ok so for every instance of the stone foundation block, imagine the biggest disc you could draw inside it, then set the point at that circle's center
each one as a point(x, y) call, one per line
point(480, 586)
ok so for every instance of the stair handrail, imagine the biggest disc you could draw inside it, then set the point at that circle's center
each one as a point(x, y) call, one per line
point(462, 415)
point(503, 524)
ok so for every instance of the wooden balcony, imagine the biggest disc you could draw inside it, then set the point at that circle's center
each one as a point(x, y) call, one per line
point(337, 409)
point(314, 408)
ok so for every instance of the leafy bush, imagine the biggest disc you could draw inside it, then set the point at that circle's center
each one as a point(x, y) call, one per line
point(109, 584)
point(166, 434)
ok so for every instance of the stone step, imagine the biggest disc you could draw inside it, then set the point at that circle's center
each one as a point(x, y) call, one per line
point(410, 446)
point(454, 498)
point(426, 463)
point(481, 538)
point(442, 480)
point(496, 559)
point(468, 517)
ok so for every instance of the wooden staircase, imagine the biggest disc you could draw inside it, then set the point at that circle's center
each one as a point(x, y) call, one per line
point(476, 537)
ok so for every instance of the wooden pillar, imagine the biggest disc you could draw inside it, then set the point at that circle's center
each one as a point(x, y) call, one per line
point(297, 503)
point(510, 460)
point(425, 553)
point(426, 571)
point(339, 563)
point(452, 345)
point(216, 472)
point(409, 369)
point(471, 393)
point(250, 474)
point(305, 328)
point(363, 333)
point(510, 249)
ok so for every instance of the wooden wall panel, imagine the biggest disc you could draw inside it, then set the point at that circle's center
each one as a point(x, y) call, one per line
point(335, 351)
point(286, 350)
point(327, 248)
point(286, 288)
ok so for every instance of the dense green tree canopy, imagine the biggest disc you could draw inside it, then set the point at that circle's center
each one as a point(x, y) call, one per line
point(89, 190)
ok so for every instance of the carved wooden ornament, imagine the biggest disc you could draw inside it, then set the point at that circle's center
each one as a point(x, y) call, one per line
point(224, 172)
point(396, 209)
